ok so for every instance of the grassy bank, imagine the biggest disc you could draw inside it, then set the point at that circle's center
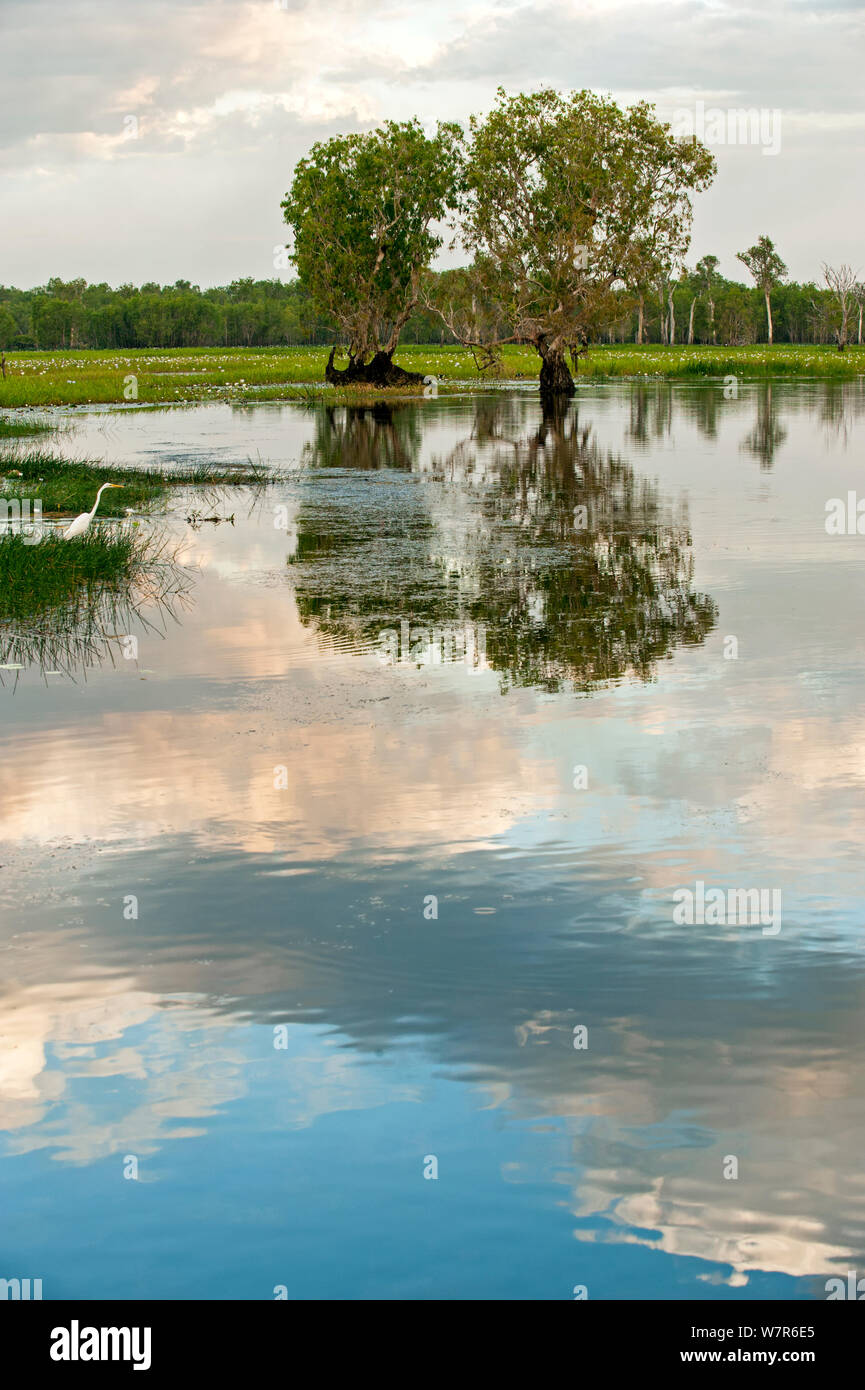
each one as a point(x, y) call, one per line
point(66, 605)
point(37, 578)
point(23, 427)
point(65, 592)
point(67, 487)
point(200, 374)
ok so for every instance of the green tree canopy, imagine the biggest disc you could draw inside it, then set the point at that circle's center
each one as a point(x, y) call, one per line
point(566, 195)
point(362, 210)
point(767, 269)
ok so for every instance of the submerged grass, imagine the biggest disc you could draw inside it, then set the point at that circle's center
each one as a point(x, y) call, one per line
point(23, 427)
point(66, 605)
point(177, 375)
point(35, 578)
point(60, 578)
point(65, 486)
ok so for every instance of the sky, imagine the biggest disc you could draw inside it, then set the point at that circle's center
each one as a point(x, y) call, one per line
point(155, 139)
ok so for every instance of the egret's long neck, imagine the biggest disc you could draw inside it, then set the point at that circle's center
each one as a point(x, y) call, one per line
point(98, 495)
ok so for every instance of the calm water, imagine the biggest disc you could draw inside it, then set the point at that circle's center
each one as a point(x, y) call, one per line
point(372, 904)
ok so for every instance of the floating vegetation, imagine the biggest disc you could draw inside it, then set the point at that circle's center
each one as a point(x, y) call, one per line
point(68, 486)
point(23, 426)
point(64, 605)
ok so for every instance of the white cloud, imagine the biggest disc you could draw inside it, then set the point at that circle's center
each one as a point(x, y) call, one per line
point(227, 96)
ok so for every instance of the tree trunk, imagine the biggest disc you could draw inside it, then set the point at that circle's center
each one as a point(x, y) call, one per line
point(672, 319)
point(380, 371)
point(712, 319)
point(555, 379)
point(769, 317)
point(860, 325)
point(640, 319)
point(691, 322)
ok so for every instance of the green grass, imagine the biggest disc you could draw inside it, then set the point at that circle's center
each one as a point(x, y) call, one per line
point(755, 362)
point(34, 578)
point(65, 605)
point(61, 579)
point(86, 377)
point(69, 486)
point(250, 374)
point(19, 427)
point(65, 487)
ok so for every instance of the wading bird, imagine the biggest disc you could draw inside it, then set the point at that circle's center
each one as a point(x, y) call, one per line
point(81, 524)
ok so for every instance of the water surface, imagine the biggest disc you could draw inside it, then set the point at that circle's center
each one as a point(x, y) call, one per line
point(337, 786)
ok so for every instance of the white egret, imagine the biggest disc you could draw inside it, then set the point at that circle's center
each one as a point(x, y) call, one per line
point(81, 524)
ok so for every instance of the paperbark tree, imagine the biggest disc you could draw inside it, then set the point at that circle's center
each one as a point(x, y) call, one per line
point(768, 271)
point(566, 197)
point(843, 285)
point(707, 271)
point(362, 210)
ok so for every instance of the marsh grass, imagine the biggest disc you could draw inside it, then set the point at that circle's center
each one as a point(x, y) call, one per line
point(66, 487)
point(21, 427)
point(64, 605)
point(69, 486)
point(753, 362)
point(34, 578)
point(337, 395)
point(179, 375)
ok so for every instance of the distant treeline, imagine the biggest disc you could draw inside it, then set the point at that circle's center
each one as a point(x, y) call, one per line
point(263, 313)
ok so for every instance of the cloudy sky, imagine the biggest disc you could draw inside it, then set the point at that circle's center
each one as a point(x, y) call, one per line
point(154, 139)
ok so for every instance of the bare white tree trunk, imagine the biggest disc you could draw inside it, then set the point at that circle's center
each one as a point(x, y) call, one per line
point(662, 317)
point(842, 282)
point(769, 315)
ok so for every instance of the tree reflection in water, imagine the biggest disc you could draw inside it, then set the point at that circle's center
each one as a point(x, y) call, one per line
point(578, 570)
